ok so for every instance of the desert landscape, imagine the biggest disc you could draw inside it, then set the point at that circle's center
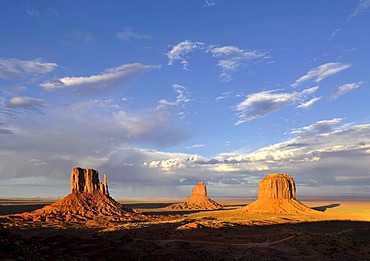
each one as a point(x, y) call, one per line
point(90, 225)
point(184, 130)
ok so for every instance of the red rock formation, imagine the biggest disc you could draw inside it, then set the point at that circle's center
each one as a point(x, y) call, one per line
point(277, 186)
point(87, 180)
point(198, 200)
point(89, 204)
point(277, 194)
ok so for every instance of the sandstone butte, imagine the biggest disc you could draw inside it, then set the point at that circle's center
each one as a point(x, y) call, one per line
point(198, 200)
point(89, 202)
point(277, 194)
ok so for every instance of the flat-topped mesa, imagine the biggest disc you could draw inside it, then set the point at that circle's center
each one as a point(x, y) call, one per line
point(277, 186)
point(277, 194)
point(87, 181)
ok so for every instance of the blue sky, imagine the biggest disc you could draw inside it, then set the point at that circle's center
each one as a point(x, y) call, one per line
point(163, 94)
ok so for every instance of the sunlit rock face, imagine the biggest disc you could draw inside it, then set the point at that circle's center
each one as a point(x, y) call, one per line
point(277, 194)
point(198, 200)
point(87, 180)
point(199, 189)
point(88, 204)
point(277, 186)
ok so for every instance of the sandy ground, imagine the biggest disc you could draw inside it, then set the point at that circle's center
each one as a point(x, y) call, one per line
point(340, 230)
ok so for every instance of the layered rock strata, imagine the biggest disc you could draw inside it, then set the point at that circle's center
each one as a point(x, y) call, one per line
point(277, 194)
point(198, 200)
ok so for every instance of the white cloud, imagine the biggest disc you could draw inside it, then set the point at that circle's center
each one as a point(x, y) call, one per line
point(320, 127)
point(209, 3)
point(321, 72)
point(14, 68)
point(107, 79)
point(25, 103)
point(227, 95)
point(128, 33)
point(323, 154)
point(231, 58)
point(33, 12)
point(343, 89)
point(195, 146)
point(260, 104)
point(362, 6)
point(335, 33)
point(180, 50)
point(181, 99)
point(308, 104)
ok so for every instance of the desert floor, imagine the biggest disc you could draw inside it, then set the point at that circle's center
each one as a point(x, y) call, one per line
point(339, 230)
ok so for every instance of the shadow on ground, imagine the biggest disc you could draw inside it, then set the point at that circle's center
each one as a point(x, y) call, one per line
point(324, 208)
point(327, 240)
point(17, 209)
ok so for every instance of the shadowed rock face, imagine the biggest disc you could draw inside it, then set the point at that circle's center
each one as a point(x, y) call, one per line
point(87, 180)
point(275, 186)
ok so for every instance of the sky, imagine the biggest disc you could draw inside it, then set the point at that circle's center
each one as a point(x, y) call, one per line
point(161, 95)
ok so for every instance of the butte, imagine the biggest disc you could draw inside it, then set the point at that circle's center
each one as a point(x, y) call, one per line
point(277, 194)
point(198, 200)
point(88, 203)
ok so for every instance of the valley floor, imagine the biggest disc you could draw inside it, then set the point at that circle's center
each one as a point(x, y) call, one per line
point(339, 230)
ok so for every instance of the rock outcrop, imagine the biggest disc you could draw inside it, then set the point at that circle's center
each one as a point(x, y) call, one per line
point(198, 200)
point(87, 180)
point(277, 186)
point(88, 203)
point(277, 194)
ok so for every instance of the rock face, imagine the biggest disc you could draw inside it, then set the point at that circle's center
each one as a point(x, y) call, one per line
point(200, 190)
point(87, 180)
point(277, 194)
point(88, 204)
point(198, 200)
point(275, 186)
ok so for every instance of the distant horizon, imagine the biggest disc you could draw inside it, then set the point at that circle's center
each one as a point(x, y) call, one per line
point(239, 198)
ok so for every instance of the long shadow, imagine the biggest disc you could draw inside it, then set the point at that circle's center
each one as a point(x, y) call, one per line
point(324, 208)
